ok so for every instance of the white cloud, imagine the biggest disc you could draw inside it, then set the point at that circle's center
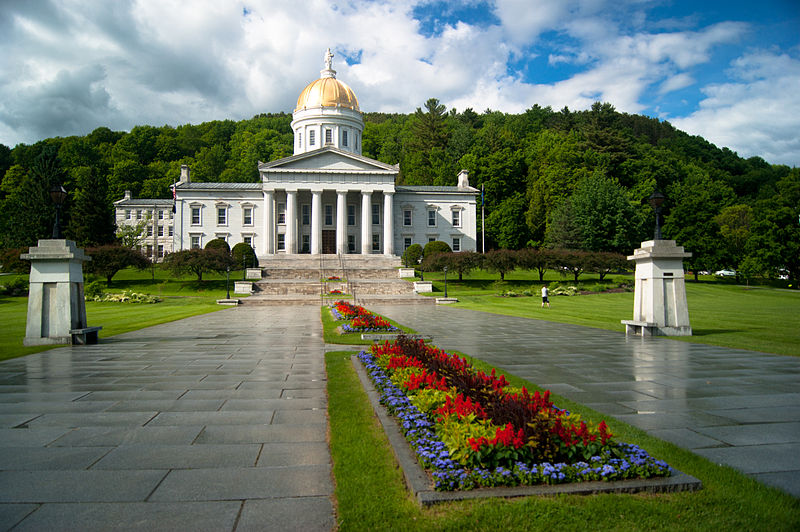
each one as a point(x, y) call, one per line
point(756, 114)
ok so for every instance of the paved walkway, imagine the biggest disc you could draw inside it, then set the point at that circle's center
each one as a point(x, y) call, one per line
point(735, 407)
point(216, 422)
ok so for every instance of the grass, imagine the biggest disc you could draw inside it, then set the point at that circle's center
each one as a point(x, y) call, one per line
point(332, 336)
point(375, 498)
point(758, 318)
point(183, 297)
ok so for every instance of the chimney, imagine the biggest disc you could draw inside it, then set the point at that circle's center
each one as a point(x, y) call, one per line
point(127, 195)
point(185, 178)
point(463, 179)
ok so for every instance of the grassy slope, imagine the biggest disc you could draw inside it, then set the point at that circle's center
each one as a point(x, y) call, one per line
point(374, 497)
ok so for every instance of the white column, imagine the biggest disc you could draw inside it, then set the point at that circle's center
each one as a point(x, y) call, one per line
point(341, 228)
point(291, 222)
point(316, 222)
point(388, 223)
point(269, 224)
point(366, 222)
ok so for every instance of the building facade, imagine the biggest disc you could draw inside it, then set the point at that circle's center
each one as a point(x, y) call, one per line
point(326, 198)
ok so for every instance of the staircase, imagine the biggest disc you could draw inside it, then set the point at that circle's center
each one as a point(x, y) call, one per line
point(301, 279)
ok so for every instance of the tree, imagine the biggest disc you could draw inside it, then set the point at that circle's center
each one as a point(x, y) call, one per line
point(196, 261)
point(92, 219)
point(605, 262)
point(500, 261)
point(734, 224)
point(506, 225)
point(463, 262)
point(540, 260)
point(109, 259)
point(563, 231)
point(10, 261)
point(436, 246)
point(132, 235)
point(574, 261)
point(412, 255)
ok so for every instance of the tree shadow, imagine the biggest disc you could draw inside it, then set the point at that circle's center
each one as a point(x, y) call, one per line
point(706, 332)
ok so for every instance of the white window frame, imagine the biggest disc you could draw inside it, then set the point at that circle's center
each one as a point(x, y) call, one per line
point(160, 231)
point(305, 214)
point(247, 211)
point(311, 138)
point(376, 214)
point(280, 244)
point(344, 137)
point(455, 217)
point(160, 214)
point(198, 209)
point(198, 237)
point(351, 215)
point(351, 243)
point(328, 136)
point(328, 215)
point(408, 217)
point(456, 244)
point(127, 214)
point(431, 219)
point(281, 210)
point(376, 241)
point(222, 214)
point(407, 242)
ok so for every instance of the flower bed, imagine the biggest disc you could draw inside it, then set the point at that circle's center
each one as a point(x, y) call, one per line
point(125, 297)
point(361, 320)
point(471, 430)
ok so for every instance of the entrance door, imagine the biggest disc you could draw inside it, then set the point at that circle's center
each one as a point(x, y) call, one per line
point(329, 241)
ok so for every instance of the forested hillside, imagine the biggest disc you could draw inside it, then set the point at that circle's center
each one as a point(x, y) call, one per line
point(564, 179)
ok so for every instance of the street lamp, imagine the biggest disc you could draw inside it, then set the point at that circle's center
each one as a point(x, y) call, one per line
point(445, 282)
point(227, 282)
point(58, 195)
point(656, 200)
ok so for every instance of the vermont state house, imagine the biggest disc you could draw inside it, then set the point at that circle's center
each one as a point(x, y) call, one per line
point(326, 198)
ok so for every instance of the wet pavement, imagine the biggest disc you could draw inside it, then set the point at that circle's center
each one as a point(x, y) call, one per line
point(734, 407)
point(216, 422)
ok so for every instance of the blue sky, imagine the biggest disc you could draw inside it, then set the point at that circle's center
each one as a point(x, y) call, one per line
point(729, 71)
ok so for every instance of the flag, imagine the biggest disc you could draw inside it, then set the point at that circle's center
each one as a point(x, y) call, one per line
point(481, 194)
point(174, 198)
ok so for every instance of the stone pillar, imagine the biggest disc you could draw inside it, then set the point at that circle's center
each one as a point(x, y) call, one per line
point(659, 305)
point(291, 222)
point(341, 227)
point(55, 301)
point(269, 223)
point(366, 222)
point(316, 222)
point(388, 223)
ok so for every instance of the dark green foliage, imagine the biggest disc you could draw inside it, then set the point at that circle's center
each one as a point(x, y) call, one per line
point(462, 262)
point(92, 219)
point(109, 259)
point(218, 244)
point(11, 263)
point(197, 261)
point(436, 246)
point(243, 255)
point(500, 261)
point(412, 255)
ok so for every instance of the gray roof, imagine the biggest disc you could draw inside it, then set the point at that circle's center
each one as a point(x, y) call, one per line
point(144, 202)
point(433, 189)
point(219, 186)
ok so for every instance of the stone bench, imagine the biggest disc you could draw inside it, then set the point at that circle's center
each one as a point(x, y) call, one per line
point(84, 336)
point(380, 337)
point(640, 328)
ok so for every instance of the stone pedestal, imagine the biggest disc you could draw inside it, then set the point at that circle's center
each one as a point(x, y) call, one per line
point(56, 306)
point(659, 306)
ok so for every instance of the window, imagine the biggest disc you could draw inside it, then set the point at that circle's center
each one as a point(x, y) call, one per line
point(160, 251)
point(195, 215)
point(138, 214)
point(305, 214)
point(351, 243)
point(351, 215)
point(376, 242)
point(456, 218)
point(160, 230)
point(376, 214)
point(306, 246)
point(160, 215)
point(407, 217)
point(170, 212)
point(170, 231)
point(328, 136)
point(431, 239)
point(456, 243)
point(222, 216)
point(248, 239)
point(299, 139)
point(311, 139)
point(281, 242)
point(149, 230)
point(247, 216)
point(149, 251)
point(344, 138)
point(406, 243)
point(281, 213)
point(431, 218)
point(195, 241)
point(127, 214)
point(329, 214)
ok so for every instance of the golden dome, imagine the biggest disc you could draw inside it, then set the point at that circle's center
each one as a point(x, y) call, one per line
point(327, 92)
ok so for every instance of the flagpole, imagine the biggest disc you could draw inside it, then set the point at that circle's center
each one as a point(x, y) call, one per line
point(483, 225)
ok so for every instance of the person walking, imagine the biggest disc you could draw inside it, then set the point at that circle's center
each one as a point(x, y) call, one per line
point(545, 300)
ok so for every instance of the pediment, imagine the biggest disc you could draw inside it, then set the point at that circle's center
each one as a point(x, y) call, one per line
point(328, 159)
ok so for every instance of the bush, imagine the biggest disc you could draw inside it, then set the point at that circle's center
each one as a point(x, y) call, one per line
point(108, 260)
point(244, 254)
point(93, 290)
point(437, 246)
point(412, 255)
point(15, 287)
point(11, 263)
point(218, 244)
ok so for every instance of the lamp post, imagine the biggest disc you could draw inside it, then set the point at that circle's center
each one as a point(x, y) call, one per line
point(656, 200)
point(244, 266)
point(445, 282)
point(58, 195)
point(227, 282)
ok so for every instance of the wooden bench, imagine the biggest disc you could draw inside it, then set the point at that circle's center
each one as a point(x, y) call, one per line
point(380, 337)
point(640, 328)
point(84, 336)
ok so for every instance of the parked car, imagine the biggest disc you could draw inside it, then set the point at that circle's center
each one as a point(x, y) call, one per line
point(725, 273)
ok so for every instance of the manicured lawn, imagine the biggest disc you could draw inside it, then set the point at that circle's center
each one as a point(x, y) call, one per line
point(758, 318)
point(375, 498)
point(331, 336)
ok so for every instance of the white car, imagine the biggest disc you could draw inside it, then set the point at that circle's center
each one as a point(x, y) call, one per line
point(725, 273)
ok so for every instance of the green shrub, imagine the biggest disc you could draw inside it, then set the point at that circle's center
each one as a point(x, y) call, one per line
point(15, 287)
point(218, 244)
point(93, 290)
point(437, 246)
point(243, 254)
point(412, 255)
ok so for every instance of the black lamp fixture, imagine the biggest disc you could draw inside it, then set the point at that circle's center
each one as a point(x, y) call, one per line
point(656, 200)
point(57, 195)
point(227, 282)
point(445, 282)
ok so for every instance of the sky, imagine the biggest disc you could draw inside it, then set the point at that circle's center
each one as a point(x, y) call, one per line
point(726, 70)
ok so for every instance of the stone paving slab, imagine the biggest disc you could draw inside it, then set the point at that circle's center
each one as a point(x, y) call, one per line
point(732, 406)
point(295, 515)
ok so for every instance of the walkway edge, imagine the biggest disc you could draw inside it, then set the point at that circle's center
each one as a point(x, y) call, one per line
point(420, 484)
